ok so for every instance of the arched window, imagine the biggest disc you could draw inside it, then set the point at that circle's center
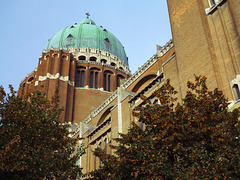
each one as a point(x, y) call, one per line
point(113, 64)
point(106, 143)
point(100, 162)
point(95, 162)
point(103, 61)
point(107, 80)
point(93, 59)
point(30, 80)
point(82, 58)
point(80, 76)
point(236, 91)
point(94, 78)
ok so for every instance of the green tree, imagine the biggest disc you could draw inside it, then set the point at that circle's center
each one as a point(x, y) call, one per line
point(34, 145)
point(197, 139)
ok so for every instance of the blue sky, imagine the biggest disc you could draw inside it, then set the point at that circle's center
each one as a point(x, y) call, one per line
point(26, 26)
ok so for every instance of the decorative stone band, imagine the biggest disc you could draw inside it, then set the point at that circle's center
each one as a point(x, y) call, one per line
point(148, 64)
point(99, 54)
point(106, 65)
point(56, 76)
point(213, 6)
point(56, 49)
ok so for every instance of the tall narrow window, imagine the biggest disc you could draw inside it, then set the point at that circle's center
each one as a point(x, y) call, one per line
point(78, 78)
point(82, 78)
point(236, 91)
point(105, 82)
point(95, 159)
point(91, 79)
point(109, 82)
point(96, 80)
point(100, 162)
point(105, 146)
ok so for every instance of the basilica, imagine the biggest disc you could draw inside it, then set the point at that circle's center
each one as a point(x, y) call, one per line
point(89, 66)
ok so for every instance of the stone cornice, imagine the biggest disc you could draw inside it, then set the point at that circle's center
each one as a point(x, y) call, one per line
point(213, 7)
point(94, 52)
point(56, 76)
point(106, 65)
point(148, 64)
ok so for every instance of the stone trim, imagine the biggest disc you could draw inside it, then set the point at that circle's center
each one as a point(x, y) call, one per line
point(106, 65)
point(232, 83)
point(92, 89)
point(148, 64)
point(99, 54)
point(56, 76)
point(213, 7)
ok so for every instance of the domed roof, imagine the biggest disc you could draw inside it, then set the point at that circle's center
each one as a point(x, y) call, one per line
point(88, 34)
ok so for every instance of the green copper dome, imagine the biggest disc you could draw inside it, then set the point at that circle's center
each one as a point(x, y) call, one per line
point(88, 34)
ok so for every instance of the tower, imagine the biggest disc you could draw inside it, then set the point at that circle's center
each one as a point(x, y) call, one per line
point(86, 62)
point(206, 32)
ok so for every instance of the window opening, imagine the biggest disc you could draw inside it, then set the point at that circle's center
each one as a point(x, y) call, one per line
point(70, 36)
point(91, 79)
point(107, 40)
point(104, 61)
point(100, 162)
point(95, 159)
point(105, 82)
point(82, 58)
point(93, 59)
point(105, 146)
point(96, 80)
point(80, 78)
point(113, 64)
point(237, 92)
point(77, 81)
point(109, 82)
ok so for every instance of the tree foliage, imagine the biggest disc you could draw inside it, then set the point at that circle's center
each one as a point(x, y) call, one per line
point(197, 139)
point(34, 145)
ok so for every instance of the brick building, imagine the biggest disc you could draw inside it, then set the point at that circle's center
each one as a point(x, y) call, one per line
point(90, 68)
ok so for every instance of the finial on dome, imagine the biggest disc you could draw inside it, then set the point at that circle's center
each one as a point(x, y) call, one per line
point(88, 14)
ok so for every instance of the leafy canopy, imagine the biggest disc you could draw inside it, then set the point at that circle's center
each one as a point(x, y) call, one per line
point(34, 145)
point(198, 138)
